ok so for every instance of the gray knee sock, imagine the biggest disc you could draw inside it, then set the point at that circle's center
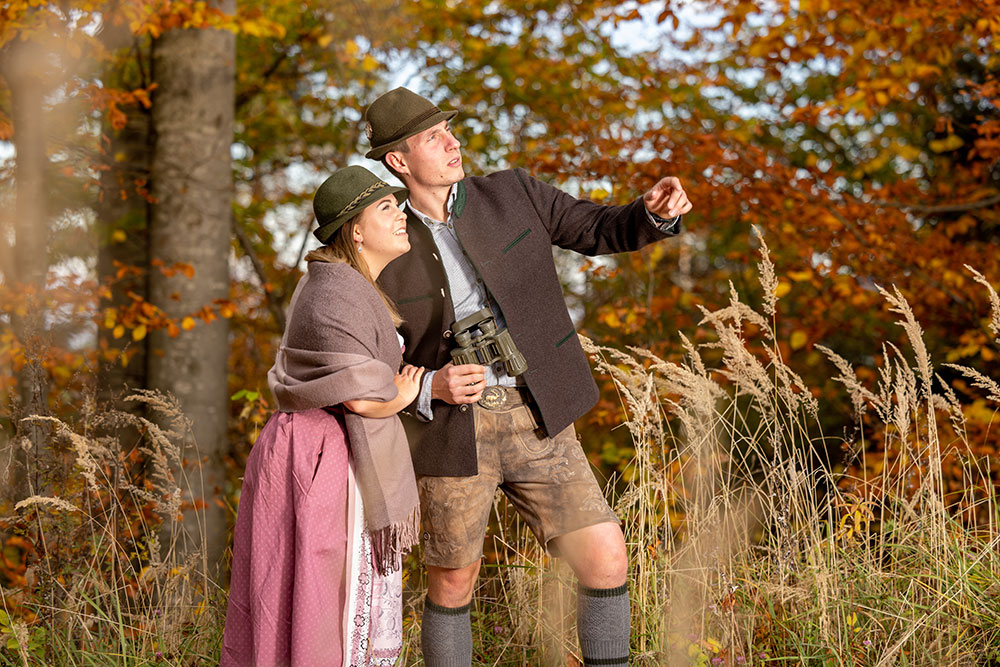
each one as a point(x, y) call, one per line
point(603, 624)
point(446, 635)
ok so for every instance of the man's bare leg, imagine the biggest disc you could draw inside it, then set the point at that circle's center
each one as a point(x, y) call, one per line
point(446, 632)
point(599, 559)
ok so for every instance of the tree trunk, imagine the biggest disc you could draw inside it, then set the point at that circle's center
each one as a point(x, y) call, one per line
point(23, 66)
point(123, 214)
point(193, 188)
point(124, 209)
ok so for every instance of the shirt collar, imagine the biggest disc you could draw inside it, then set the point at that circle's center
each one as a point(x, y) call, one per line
point(428, 220)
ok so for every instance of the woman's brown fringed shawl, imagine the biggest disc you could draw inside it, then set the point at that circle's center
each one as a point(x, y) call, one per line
point(340, 345)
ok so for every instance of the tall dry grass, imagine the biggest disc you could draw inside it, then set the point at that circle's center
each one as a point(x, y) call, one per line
point(747, 545)
point(105, 573)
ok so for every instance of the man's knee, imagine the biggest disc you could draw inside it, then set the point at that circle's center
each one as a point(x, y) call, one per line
point(612, 557)
point(597, 555)
point(451, 587)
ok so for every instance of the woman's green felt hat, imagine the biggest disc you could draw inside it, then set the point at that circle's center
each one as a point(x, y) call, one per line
point(346, 194)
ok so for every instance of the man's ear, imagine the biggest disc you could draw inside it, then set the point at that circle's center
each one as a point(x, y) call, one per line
point(396, 161)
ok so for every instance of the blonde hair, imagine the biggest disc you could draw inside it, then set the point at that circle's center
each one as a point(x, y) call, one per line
point(341, 248)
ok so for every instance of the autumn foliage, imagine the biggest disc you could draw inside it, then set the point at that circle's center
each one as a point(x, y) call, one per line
point(861, 138)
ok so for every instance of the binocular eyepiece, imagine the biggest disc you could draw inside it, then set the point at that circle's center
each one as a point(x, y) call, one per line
point(478, 342)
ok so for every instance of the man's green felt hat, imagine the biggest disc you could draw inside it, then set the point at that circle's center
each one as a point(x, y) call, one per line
point(346, 194)
point(398, 115)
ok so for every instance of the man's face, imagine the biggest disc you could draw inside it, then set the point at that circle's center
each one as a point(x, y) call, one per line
point(434, 159)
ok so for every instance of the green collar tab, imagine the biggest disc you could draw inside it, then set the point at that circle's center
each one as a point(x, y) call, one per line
point(459, 205)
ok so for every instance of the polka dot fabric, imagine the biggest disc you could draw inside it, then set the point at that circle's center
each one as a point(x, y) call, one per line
point(288, 587)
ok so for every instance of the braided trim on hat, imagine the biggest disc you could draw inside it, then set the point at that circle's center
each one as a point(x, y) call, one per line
point(370, 189)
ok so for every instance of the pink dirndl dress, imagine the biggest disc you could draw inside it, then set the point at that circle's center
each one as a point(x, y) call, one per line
point(304, 592)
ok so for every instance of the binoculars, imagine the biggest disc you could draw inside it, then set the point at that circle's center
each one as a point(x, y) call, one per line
point(486, 347)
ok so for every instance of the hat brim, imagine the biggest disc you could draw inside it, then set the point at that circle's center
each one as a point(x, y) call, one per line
point(325, 232)
point(377, 152)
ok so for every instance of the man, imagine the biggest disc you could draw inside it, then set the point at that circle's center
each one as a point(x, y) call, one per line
point(486, 242)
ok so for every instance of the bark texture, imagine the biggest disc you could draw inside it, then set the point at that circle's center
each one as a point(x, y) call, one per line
point(193, 189)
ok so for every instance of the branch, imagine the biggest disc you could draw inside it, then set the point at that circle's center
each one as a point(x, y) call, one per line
point(246, 96)
point(941, 208)
point(273, 300)
point(853, 229)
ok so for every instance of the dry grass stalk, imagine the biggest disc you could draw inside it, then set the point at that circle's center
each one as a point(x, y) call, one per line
point(117, 591)
point(734, 546)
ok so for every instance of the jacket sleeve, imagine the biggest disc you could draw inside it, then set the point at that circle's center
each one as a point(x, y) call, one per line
point(586, 227)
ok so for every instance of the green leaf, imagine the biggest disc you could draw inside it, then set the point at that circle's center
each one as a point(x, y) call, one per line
point(238, 395)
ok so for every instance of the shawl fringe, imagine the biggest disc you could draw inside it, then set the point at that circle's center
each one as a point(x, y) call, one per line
point(391, 543)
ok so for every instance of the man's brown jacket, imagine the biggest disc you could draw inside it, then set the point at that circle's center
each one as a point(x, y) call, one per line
point(507, 223)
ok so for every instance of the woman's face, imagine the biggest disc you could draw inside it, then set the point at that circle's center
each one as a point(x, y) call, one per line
point(381, 233)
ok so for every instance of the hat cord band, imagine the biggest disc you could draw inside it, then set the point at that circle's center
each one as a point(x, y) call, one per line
point(370, 189)
point(416, 121)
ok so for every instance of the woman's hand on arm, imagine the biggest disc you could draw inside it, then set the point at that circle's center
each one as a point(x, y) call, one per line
point(407, 383)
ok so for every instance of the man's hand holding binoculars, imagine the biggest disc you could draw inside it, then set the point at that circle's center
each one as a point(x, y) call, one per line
point(458, 384)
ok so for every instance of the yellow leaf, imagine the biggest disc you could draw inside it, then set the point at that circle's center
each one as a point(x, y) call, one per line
point(783, 288)
point(907, 152)
point(139, 332)
point(351, 48)
point(188, 323)
point(799, 339)
point(949, 143)
point(922, 71)
point(324, 41)
point(369, 64)
point(598, 194)
point(800, 276)
point(118, 236)
point(119, 331)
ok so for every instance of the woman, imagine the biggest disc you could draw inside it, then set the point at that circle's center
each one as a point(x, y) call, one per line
point(329, 501)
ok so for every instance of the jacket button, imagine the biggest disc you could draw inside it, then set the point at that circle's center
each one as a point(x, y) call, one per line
point(447, 333)
point(463, 408)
